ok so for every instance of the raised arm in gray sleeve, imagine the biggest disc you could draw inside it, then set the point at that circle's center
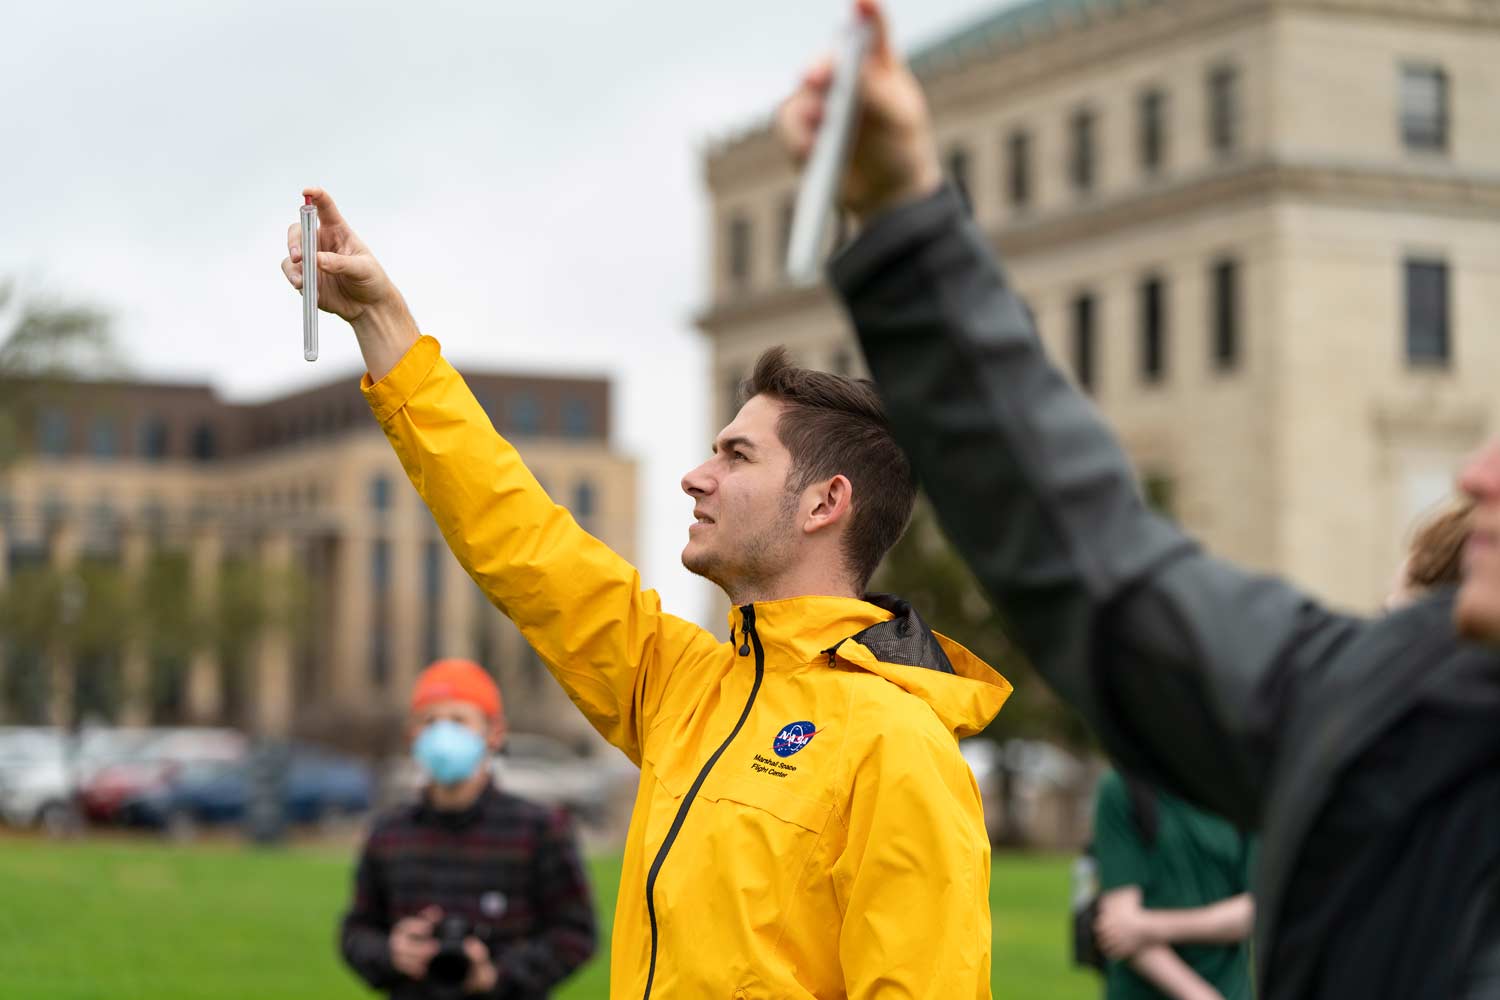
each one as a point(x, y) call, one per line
point(1183, 664)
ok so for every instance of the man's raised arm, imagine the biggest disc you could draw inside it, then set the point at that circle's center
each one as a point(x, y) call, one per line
point(1180, 662)
point(578, 603)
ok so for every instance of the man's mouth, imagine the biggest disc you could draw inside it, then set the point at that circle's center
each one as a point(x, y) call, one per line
point(1481, 545)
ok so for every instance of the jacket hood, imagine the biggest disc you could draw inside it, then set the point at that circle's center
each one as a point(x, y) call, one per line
point(885, 636)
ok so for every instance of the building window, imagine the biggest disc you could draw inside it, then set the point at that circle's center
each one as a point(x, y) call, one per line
point(732, 389)
point(54, 506)
point(525, 413)
point(1082, 152)
point(380, 565)
point(432, 603)
point(205, 446)
point(52, 432)
point(784, 234)
point(1153, 330)
point(1424, 108)
point(1427, 333)
point(380, 655)
point(1018, 168)
point(1226, 315)
point(956, 164)
point(739, 251)
point(104, 437)
point(584, 501)
point(1153, 130)
point(101, 532)
point(1160, 493)
point(578, 417)
point(154, 519)
point(1223, 109)
point(380, 493)
point(1084, 341)
point(153, 439)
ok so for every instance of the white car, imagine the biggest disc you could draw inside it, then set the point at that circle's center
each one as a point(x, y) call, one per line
point(39, 779)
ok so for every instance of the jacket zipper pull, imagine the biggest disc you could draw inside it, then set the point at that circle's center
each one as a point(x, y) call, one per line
point(747, 614)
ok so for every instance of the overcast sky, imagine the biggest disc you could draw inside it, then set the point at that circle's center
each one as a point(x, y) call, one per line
point(529, 175)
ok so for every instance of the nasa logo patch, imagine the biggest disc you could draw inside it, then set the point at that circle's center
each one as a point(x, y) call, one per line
point(793, 737)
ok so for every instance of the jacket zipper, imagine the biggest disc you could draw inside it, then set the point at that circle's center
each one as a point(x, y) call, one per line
point(750, 637)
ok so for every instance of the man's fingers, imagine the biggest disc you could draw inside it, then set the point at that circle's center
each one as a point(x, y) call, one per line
point(797, 122)
point(872, 14)
point(294, 241)
point(328, 212)
point(356, 269)
point(292, 271)
point(819, 76)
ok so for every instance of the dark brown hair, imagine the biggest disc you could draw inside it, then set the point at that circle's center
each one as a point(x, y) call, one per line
point(1437, 548)
point(835, 425)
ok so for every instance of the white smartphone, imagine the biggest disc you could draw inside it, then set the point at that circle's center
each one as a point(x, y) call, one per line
point(825, 166)
point(309, 214)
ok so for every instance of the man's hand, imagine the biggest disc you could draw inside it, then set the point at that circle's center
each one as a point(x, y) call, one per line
point(352, 284)
point(893, 157)
point(483, 976)
point(412, 943)
point(1123, 927)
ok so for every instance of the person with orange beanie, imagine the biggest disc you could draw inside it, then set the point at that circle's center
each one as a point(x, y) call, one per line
point(469, 892)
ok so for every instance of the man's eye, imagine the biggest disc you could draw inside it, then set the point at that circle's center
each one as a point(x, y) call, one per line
point(738, 456)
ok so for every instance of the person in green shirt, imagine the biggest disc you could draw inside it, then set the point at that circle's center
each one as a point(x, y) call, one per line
point(1175, 916)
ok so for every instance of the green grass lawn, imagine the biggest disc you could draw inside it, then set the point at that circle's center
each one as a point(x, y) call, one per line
point(124, 920)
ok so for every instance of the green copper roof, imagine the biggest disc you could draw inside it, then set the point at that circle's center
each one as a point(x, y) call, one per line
point(1008, 26)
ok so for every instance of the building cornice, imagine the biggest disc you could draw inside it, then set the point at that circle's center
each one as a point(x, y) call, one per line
point(998, 72)
point(1251, 182)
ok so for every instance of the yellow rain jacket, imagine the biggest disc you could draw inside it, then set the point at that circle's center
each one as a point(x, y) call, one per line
point(805, 825)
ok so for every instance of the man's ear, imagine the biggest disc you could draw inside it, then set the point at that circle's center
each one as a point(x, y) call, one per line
point(832, 502)
point(495, 738)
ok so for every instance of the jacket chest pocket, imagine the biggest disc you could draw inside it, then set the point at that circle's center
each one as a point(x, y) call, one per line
point(741, 827)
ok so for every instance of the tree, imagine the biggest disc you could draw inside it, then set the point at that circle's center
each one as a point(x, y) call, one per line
point(924, 569)
point(46, 349)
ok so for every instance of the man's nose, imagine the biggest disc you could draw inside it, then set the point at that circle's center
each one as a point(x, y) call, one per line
point(1480, 479)
point(697, 483)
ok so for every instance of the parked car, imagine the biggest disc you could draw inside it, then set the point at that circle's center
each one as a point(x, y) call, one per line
point(213, 793)
point(543, 769)
point(151, 766)
point(42, 767)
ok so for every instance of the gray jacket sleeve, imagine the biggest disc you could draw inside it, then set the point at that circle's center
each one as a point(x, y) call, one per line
point(1184, 665)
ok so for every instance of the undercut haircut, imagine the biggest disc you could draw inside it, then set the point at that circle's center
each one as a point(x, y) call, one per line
point(836, 425)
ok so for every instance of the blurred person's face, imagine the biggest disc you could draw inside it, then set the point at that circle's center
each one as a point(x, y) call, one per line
point(491, 732)
point(1477, 612)
point(745, 530)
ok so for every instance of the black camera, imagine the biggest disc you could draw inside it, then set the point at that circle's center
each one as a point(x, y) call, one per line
point(450, 966)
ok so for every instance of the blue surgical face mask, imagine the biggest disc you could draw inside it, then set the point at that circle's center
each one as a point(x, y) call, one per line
point(449, 752)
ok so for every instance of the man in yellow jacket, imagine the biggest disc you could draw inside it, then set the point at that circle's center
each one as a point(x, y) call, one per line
point(805, 825)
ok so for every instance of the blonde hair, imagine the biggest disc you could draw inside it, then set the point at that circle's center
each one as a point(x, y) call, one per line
point(1437, 548)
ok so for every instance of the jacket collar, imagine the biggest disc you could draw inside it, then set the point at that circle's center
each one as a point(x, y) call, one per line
point(460, 819)
point(884, 636)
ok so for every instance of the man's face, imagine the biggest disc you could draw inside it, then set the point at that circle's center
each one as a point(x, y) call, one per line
point(745, 522)
point(1477, 612)
point(465, 713)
